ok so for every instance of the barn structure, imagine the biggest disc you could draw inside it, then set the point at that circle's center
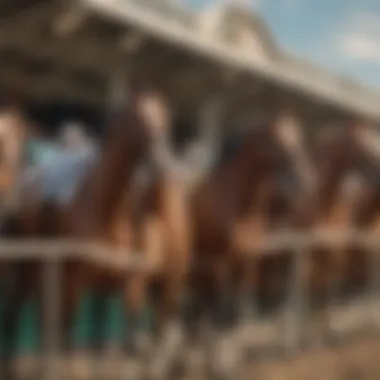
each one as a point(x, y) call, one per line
point(68, 51)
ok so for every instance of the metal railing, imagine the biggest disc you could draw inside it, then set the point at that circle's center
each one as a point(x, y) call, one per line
point(54, 252)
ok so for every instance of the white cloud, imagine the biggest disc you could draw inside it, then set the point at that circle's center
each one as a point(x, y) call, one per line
point(359, 39)
point(360, 47)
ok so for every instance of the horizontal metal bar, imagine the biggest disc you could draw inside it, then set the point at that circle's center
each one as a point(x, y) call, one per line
point(95, 252)
point(295, 240)
point(119, 259)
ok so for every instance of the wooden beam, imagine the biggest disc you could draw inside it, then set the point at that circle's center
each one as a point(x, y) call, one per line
point(30, 19)
point(87, 54)
point(50, 87)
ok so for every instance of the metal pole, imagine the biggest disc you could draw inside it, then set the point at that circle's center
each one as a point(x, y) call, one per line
point(117, 88)
point(52, 282)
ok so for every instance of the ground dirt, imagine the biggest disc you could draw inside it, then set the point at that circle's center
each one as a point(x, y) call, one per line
point(354, 361)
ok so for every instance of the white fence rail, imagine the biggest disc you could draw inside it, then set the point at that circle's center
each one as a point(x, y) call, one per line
point(115, 257)
point(54, 252)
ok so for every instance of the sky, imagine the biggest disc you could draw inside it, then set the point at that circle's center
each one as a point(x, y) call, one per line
point(341, 35)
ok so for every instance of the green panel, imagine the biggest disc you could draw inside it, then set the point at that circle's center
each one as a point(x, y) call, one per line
point(115, 321)
point(28, 332)
point(83, 322)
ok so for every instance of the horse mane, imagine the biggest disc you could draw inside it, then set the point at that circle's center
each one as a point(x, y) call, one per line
point(336, 154)
point(124, 145)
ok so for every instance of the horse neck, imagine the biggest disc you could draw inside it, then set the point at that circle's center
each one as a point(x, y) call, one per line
point(105, 189)
point(337, 163)
point(248, 172)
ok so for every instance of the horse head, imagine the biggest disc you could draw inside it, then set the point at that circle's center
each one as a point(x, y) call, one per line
point(338, 162)
point(365, 140)
point(131, 136)
point(289, 134)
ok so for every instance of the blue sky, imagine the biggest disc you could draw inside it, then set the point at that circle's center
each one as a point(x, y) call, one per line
point(343, 35)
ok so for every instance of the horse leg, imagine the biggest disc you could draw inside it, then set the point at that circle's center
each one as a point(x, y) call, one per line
point(137, 341)
point(176, 230)
point(247, 233)
point(136, 289)
point(333, 273)
point(337, 277)
point(225, 352)
point(139, 323)
point(135, 294)
point(170, 327)
point(247, 299)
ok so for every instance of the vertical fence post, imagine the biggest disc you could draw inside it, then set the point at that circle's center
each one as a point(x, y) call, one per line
point(296, 301)
point(52, 302)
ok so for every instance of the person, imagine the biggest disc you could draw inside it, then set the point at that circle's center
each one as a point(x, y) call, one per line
point(38, 149)
point(73, 137)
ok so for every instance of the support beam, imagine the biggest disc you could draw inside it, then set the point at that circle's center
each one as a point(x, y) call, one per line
point(48, 88)
point(86, 54)
point(31, 15)
point(118, 91)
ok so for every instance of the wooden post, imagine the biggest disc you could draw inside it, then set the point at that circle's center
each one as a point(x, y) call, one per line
point(52, 312)
point(117, 88)
point(296, 301)
point(210, 120)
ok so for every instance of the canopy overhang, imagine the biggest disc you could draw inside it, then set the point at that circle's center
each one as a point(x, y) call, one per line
point(71, 50)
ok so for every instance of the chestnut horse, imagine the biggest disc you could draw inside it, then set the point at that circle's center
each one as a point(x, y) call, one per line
point(329, 203)
point(335, 200)
point(230, 222)
point(355, 155)
point(165, 230)
point(91, 212)
point(101, 208)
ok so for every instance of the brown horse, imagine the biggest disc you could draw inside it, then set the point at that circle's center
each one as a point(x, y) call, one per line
point(356, 263)
point(92, 212)
point(230, 221)
point(333, 205)
point(165, 230)
point(335, 199)
point(102, 209)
